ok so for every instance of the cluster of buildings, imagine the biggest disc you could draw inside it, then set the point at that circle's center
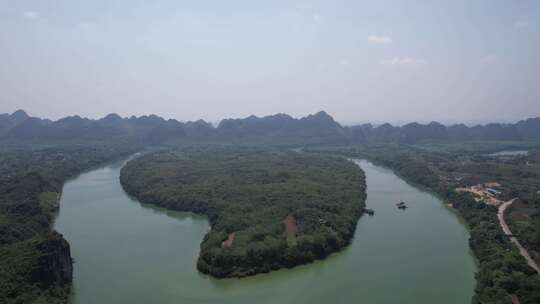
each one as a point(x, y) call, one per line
point(484, 193)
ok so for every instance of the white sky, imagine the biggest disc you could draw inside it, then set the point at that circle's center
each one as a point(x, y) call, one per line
point(397, 61)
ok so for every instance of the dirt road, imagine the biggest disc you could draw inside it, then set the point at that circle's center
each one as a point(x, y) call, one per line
point(523, 251)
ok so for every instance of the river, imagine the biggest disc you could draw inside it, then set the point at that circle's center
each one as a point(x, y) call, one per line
point(127, 252)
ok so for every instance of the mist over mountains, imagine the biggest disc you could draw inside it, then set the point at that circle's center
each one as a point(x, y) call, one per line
point(282, 129)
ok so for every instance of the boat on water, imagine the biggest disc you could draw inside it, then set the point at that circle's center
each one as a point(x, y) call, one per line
point(369, 211)
point(401, 205)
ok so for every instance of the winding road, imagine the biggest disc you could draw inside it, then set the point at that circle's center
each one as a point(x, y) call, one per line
point(513, 239)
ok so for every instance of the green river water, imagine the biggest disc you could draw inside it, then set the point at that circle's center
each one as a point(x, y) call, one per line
point(126, 252)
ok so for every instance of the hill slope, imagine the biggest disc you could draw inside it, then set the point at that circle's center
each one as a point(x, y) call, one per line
point(279, 129)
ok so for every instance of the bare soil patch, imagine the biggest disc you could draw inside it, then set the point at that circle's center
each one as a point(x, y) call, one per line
point(291, 229)
point(229, 241)
point(481, 194)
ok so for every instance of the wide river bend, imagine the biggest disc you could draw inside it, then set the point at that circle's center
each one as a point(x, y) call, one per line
point(128, 252)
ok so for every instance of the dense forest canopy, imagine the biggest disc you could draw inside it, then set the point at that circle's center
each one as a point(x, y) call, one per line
point(268, 208)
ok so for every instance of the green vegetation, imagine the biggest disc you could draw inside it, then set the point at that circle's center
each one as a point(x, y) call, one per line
point(502, 270)
point(523, 217)
point(35, 261)
point(268, 209)
point(48, 201)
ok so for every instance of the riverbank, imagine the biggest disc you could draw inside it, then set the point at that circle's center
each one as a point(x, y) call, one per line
point(145, 254)
point(35, 260)
point(502, 272)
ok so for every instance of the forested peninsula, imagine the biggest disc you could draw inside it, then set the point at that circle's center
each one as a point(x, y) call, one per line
point(268, 208)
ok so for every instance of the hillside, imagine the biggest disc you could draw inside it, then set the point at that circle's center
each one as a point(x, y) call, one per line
point(279, 129)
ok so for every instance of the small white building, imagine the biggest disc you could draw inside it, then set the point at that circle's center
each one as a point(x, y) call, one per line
point(493, 191)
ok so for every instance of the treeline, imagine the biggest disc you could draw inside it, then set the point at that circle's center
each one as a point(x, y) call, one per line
point(35, 260)
point(268, 209)
point(502, 271)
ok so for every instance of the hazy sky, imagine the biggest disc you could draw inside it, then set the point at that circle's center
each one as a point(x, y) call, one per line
point(454, 60)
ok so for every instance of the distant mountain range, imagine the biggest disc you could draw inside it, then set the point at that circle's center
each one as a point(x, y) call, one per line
point(282, 129)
